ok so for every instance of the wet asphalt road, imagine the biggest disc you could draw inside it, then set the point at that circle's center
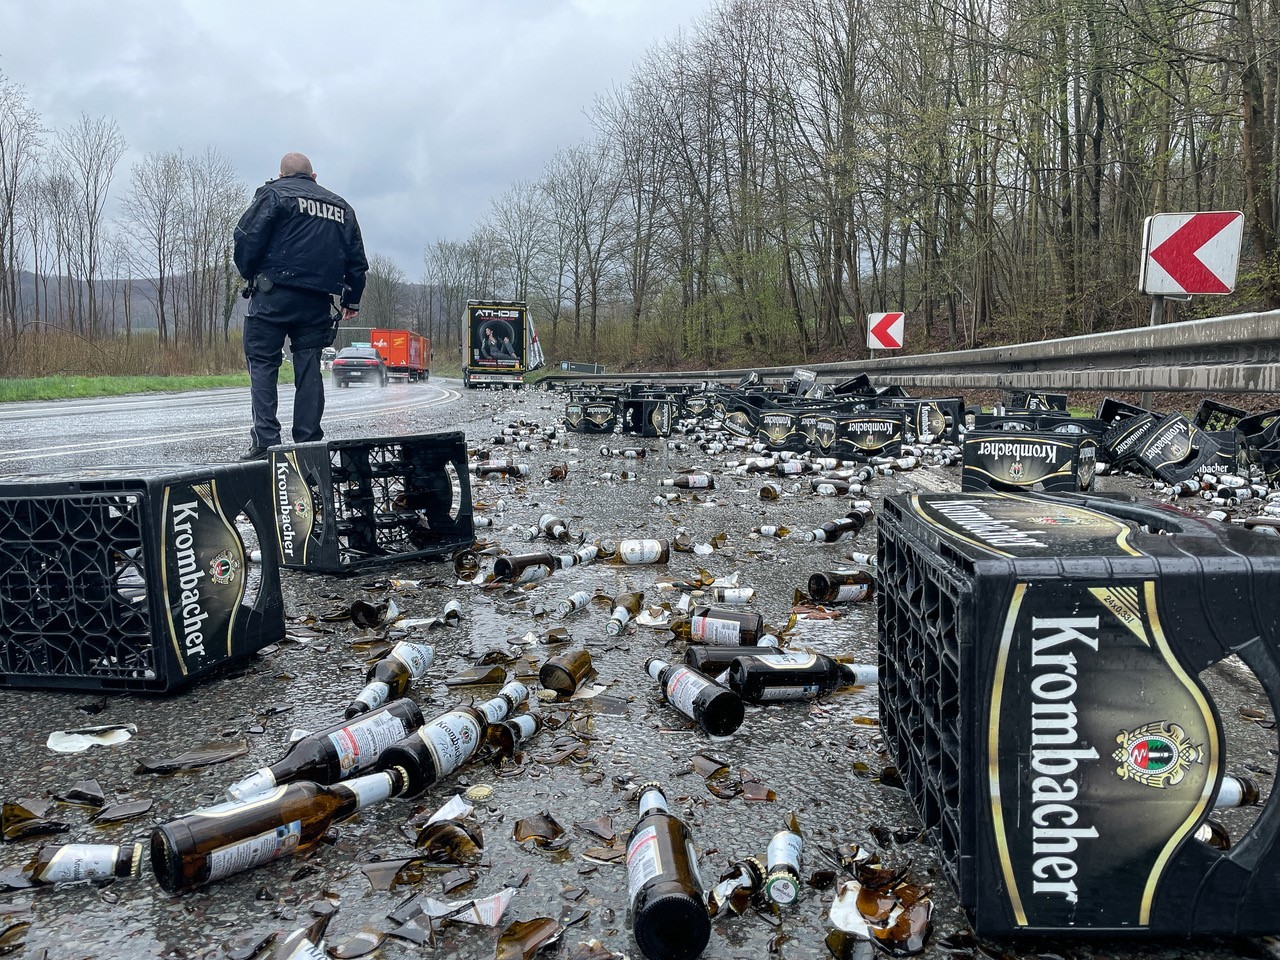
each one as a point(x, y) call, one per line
point(820, 760)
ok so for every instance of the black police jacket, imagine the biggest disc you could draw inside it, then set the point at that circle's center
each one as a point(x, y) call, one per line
point(301, 235)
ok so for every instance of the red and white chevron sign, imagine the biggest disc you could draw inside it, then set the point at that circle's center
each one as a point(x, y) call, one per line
point(1191, 252)
point(884, 330)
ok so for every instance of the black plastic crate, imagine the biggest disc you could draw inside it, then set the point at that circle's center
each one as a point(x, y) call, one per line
point(1039, 691)
point(343, 505)
point(1039, 460)
point(135, 578)
point(647, 417)
point(934, 417)
point(855, 435)
point(594, 415)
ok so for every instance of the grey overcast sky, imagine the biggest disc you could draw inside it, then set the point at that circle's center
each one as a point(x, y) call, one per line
point(417, 112)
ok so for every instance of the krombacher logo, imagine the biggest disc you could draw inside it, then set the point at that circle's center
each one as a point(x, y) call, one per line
point(287, 533)
point(1156, 754)
point(183, 515)
point(971, 517)
point(1056, 753)
point(1048, 452)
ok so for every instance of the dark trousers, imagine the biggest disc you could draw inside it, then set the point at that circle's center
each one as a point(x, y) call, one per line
point(304, 317)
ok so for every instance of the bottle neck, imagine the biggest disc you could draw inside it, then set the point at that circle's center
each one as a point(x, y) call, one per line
point(656, 668)
point(360, 793)
point(652, 799)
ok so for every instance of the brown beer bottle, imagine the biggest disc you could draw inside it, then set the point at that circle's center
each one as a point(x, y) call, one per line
point(712, 625)
point(551, 527)
point(668, 916)
point(716, 710)
point(508, 735)
point(524, 567)
point(713, 659)
point(691, 481)
point(565, 672)
point(444, 744)
point(842, 586)
point(337, 752)
point(773, 677)
point(782, 886)
point(69, 862)
point(625, 606)
point(390, 677)
point(207, 845)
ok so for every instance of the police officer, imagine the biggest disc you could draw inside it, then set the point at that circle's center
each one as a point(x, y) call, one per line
point(297, 246)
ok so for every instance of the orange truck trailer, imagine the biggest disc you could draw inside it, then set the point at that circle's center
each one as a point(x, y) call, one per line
point(406, 354)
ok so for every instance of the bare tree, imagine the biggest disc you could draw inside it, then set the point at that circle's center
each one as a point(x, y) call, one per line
point(20, 142)
point(151, 207)
point(385, 298)
point(517, 221)
point(89, 150)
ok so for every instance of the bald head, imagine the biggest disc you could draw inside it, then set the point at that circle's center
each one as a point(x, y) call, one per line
point(292, 163)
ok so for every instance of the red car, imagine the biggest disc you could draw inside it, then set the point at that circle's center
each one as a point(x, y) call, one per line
point(359, 364)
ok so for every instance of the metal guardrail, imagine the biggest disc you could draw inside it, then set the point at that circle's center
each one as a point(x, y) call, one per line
point(1236, 354)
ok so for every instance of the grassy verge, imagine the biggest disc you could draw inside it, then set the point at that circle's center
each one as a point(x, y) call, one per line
point(65, 388)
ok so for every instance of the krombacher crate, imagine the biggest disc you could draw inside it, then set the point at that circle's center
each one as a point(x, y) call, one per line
point(932, 417)
point(1008, 460)
point(856, 435)
point(1040, 693)
point(344, 505)
point(647, 417)
point(135, 578)
point(598, 415)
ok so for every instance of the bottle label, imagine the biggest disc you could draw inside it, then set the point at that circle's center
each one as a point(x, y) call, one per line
point(773, 694)
point(715, 630)
point(792, 660)
point(515, 693)
point(80, 861)
point(247, 854)
point(738, 594)
point(651, 800)
point(306, 950)
point(370, 789)
point(683, 687)
point(416, 656)
point(452, 739)
point(360, 743)
point(640, 551)
point(784, 850)
point(698, 481)
point(852, 592)
point(374, 694)
point(643, 861)
point(533, 573)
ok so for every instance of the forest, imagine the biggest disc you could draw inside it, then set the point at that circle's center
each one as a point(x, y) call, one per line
point(758, 184)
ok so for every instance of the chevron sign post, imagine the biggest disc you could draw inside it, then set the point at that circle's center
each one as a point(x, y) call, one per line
point(1190, 253)
point(884, 330)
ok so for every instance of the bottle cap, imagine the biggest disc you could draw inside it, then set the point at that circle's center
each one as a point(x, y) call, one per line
point(781, 887)
point(547, 695)
point(479, 793)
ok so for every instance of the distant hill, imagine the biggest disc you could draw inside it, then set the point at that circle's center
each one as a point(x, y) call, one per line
point(111, 295)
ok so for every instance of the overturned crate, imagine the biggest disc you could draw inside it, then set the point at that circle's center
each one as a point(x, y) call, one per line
point(135, 579)
point(1039, 691)
point(343, 505)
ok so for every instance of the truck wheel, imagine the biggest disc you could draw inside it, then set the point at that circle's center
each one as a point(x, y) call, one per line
point(386, 377)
